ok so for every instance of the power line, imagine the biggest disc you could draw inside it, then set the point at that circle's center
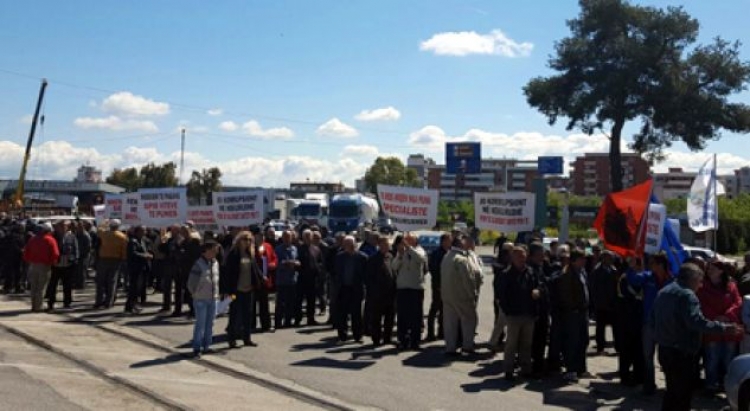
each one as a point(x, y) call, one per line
point(194, 108)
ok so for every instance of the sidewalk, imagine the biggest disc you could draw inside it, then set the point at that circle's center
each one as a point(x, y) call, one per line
point(176, 381)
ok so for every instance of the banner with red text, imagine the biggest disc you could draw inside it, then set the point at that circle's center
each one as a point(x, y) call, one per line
point(130, 212)
point(409, 208)
point(655, 220)
point(161, 207)
point(239, 208)
point(203, 218)
point(510, 212)
point(99, 214)
point(113, 206)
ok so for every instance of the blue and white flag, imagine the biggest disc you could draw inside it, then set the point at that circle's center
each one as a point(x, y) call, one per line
point(702, 202)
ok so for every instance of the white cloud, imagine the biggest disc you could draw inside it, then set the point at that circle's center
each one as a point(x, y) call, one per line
point(128, 104)
point(253, 128)
point(215, 112)
point(336, 128)
point(360, 151)
point(115, 123)
point(692, 161)
point(463, 43)
point(379, 114)
point(228, 126)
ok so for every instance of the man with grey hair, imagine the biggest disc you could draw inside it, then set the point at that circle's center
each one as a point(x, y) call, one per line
point(678, 325)
point(311, 267)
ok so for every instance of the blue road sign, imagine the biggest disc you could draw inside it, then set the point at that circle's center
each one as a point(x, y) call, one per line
point(550, 165)
point(463, 158)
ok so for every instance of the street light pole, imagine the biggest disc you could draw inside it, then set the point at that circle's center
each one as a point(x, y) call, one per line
point(565, 220)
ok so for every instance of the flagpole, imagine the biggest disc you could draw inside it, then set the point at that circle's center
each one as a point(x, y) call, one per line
point(716, 199)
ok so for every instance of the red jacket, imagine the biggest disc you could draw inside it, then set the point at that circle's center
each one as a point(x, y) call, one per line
point(716, 302)
point(41, 249)
point(270, 255)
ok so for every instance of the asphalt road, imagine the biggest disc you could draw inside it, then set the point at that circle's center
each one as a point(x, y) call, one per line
point(386, 379)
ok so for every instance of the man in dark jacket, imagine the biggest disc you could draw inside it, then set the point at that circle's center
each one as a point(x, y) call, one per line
point(541, 326)
point(519, 294)
point(349, 279)
point(311, 260)
point(569, 298)
point(13, 244)
point(436, 306)
point(604, 281)
point(138, 265)
point(678, 325)
point(381, 293)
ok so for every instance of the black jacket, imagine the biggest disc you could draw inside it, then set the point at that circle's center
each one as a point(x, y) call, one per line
point(137, 251)
point(360, 262)
point(515, 288)
point(380, 279)
point(604, 281)
point(230, 273)
point(311, 263)
point(434, 263)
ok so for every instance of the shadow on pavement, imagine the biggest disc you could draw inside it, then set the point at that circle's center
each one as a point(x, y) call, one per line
point(375, 354)
point(15, 313)
point(325, 362)
point(171, 358)
point(430, 357)
point(324, 344)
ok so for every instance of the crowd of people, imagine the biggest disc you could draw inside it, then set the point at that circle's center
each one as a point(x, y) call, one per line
point(544, 298)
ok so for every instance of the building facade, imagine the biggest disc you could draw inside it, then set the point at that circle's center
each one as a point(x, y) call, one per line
point(676, 183)
point(88, 174)
point(590, 173)
point(420, 164)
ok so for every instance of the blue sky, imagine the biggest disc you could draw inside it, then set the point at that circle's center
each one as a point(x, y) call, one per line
point(275, 91)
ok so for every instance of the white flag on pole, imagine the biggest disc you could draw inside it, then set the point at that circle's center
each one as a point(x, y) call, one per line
point(702, 202)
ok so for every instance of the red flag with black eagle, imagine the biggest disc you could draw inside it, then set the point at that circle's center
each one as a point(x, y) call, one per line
point(621, 218)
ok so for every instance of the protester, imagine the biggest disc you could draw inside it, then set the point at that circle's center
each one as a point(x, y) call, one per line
point(719, 301)
point(188, 252)
point(380, 283)
point(349, 277)
point(170, 247)
point(502, 262)
point(570, 300)
point(629, 333)
point(113, 246)
point(436, 306)
point(41, 253)
point(459, 278)
point(138, 265)
point(203, 284)
point(286, 281)
point(240, 278)
point(12, 245)
point(322, 280)
point(604, 281)
point(84, 254)
point(678, 323)
point(64, 270)
point(536, 263)
point(651, 282)
point(519, 296)
point(311, 267)
point(267, 262)
point(410, 266)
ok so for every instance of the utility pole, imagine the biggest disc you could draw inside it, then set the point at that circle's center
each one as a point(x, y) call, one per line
point(18, 200)
point(182, 154)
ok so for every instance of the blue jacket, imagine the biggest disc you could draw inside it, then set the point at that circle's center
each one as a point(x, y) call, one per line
point(286, 276)
point(646, 281)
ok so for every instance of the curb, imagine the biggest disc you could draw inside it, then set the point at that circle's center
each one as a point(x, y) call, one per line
point(99, 372)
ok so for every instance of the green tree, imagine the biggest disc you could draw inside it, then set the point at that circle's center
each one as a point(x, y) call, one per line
point(625, 62)
point(156, 176)
point(203, 183)
point(390, 171)
point(127, 178)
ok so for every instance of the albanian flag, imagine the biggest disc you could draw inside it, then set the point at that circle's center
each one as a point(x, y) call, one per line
point(621, 217)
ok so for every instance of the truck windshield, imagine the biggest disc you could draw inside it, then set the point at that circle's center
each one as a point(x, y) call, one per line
point(343, 210)
point(308, 210)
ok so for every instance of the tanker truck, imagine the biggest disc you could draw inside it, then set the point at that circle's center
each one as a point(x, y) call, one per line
point(349, 212)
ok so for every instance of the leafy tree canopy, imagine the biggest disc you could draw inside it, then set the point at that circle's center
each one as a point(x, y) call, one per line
point(390, 171)
point(625, 62)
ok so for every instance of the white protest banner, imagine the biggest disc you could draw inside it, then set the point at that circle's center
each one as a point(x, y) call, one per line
point(161, 207)
point(99, 214)
point(510, 212)
point(657, 216)
point(239, 208)
point(113, 206)
point(203, 218)
point(409, 208)
point(130, 212)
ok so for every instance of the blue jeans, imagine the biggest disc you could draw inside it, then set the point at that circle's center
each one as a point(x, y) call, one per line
point(718, 355)
point(205, 312)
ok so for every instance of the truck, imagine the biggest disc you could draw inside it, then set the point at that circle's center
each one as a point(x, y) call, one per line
point(349, 212)
point(313, 209)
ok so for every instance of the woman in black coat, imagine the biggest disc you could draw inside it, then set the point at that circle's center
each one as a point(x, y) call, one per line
point(241, 275)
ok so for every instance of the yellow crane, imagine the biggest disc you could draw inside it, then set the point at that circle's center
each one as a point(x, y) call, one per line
point(18, 197)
